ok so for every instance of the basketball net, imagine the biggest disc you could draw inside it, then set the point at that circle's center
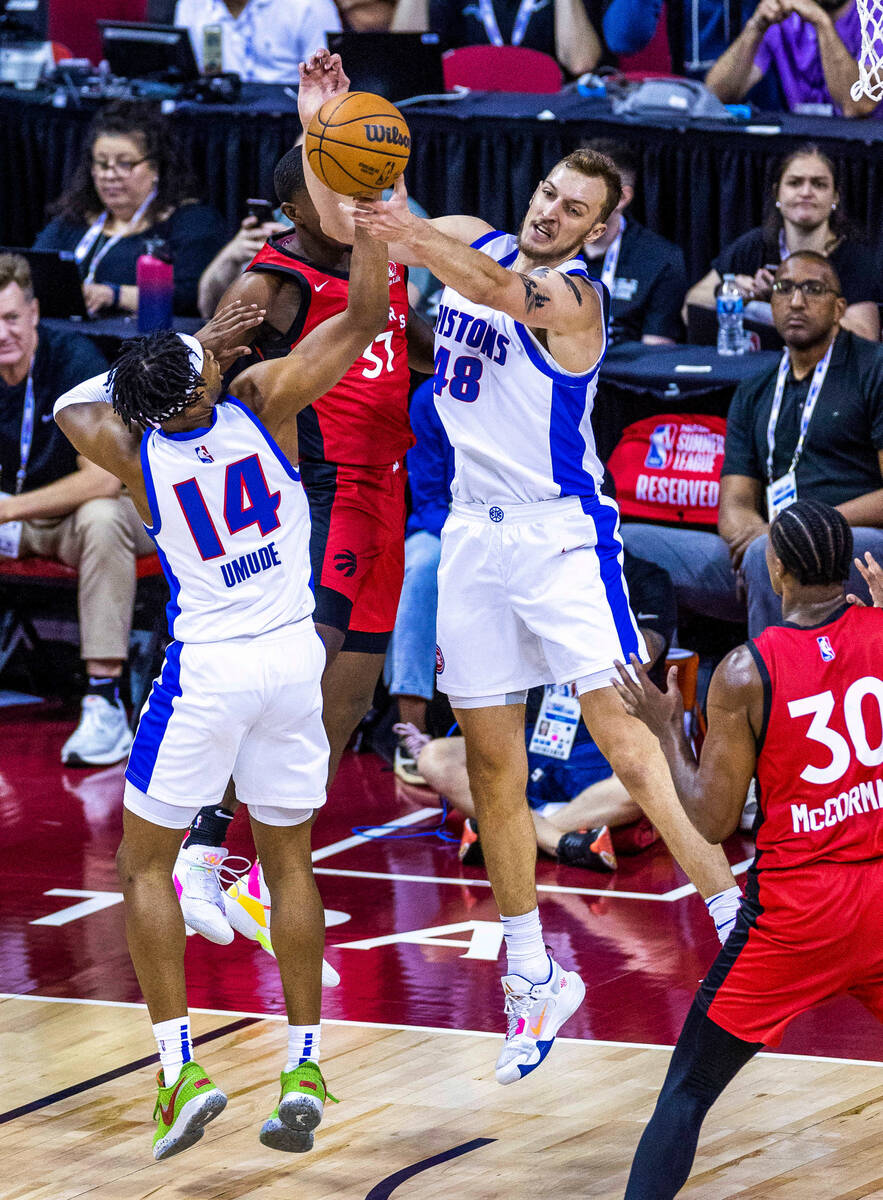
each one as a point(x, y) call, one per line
point(870, 63)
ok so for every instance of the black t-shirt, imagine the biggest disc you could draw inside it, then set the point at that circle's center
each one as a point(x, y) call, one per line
point(62, 361)
point(839, 460)
point(648, 288)
point(459, 23)
point(853, 261)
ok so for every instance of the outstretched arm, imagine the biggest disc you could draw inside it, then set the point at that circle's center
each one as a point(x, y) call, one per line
point(713, 790)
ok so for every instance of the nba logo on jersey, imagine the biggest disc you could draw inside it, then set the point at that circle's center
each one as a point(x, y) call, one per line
point(662, 441)
point(203, 455)
point(826, 649)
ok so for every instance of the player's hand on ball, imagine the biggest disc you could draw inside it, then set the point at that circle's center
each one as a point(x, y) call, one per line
point(322, 77)
point(872, 573)
point(387, 220)
point(660, 711)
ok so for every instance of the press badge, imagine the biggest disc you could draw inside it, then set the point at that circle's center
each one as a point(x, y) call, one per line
point(781, 493)
point(10, 535)
point(559, 717)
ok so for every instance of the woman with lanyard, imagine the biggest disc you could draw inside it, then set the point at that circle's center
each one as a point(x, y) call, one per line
point(132, 186)
point(563, 29)
point(805, 214)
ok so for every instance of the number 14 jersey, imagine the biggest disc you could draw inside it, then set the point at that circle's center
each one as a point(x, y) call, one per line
point(231, 527)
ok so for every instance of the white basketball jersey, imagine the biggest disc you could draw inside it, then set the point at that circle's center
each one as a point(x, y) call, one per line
point(519, 423)
point(231, 526)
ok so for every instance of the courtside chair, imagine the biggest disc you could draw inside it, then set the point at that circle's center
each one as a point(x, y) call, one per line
point(501, 69)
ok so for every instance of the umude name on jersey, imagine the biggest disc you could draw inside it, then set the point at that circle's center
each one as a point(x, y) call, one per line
point(472, 331)
point(242, 568)
point(854, 803)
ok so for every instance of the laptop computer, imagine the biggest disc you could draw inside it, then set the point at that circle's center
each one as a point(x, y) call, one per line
point(396, 66)
point(57, 283)
point(137, 50)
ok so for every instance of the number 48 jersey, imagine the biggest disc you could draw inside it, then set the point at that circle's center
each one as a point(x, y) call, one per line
point(231, 527)
point(820, 765)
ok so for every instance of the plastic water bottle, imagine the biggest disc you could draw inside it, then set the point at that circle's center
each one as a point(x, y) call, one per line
point(730, 335)
point(155, 279)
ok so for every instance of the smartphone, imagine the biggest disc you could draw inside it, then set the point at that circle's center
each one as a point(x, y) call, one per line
point(262, 210)
point(212, 52)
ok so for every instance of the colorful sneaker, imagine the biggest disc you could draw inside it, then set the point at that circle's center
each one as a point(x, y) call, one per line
point(411, 742)
point(470, 852)
point(633, 838)
point(102, 737)
point(299, 1111)
point(199, 891)
point(536, 1012)
point(247, 906)
point(184, 1109)
point(591, 848)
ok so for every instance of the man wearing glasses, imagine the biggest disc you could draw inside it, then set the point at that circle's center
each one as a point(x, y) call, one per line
point(811, 427)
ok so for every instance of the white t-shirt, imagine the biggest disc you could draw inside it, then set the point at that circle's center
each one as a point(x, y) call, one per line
point(267, 40)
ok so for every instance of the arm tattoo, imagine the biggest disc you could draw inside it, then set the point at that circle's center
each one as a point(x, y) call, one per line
point(542, 272)
point(533, 297)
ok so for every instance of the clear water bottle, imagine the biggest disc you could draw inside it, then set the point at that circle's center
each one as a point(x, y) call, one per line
point(156, 284)
point(730, 334)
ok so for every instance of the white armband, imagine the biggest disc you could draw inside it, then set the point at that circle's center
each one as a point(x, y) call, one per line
point(90, 391)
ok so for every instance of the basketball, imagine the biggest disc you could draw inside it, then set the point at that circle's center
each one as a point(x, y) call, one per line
point(358, 143)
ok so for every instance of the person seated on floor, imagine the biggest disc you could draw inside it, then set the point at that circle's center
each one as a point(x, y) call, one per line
point(581, 812)
point(63, 507)
point(409, 669)
point(812, 427)
point(805, 213)
point(813, 48)
point(644, 272)
point(133, 186)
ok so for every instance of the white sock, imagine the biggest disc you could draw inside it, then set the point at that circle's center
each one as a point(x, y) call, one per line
point(175, 1047)
point(724, 908)
point(303, 1044)
point(525, 948)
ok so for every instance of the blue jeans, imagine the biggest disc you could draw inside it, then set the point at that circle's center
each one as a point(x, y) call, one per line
point(699, 566)
point(409, 669)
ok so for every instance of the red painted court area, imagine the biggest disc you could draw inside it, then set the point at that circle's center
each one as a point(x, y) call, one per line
point(640, 938)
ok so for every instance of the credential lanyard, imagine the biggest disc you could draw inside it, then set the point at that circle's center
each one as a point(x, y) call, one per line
point(93, 233)
point(491, 27)
point(611, 258)
point(26, 438)
point(812, 396)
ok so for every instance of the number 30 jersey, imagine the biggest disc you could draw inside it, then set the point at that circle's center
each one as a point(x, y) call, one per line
point(820, 765)
point(519, 423)
point(231, 527)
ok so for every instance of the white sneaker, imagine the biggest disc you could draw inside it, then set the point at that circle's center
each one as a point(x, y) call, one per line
point(411, 742)
point(102, 737)
point(536, 1012)
point(199, 891)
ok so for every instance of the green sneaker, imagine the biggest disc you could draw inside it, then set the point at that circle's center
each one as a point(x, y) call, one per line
point(184, 1109)
point(299, 1110)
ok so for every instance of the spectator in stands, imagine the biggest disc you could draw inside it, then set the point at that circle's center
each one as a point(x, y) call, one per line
point(645, 273)
point(565, 29)
point(133, 185)
point(812, 46)
point(69, 509)
point(261, 40)
point(804, 214)
point(409, 669)
point(821, 411)
point(231, 260)
point(576, 802)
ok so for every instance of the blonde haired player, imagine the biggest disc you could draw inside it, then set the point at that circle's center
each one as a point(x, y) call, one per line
point(530, 584)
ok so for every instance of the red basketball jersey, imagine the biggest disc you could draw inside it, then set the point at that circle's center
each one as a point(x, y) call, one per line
point(820, 766)
point(364, 418)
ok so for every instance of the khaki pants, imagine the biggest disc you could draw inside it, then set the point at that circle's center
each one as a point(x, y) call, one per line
point(102, 539)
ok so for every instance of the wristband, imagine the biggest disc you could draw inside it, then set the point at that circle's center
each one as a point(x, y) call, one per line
point(115, 290)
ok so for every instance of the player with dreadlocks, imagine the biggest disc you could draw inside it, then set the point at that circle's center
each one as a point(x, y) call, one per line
point(800, 707)
point(239, 693)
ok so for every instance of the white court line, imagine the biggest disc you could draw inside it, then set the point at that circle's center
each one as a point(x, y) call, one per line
point(411, 818)
point(228, 1012)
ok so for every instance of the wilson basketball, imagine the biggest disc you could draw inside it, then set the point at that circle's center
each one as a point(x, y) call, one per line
point(358, 143)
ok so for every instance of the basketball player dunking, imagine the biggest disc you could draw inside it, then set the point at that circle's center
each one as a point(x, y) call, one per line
point(352, 444)
point(800, 706)
point(530, 584)
point(239, 694)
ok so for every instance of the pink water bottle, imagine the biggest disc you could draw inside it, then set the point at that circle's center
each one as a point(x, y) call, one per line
point(155, 279)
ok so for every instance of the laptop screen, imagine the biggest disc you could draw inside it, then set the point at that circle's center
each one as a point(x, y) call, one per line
point(56, 281)
point(393, 65)
point(136, 50)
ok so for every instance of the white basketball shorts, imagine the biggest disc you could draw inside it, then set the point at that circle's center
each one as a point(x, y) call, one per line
point(250, 708)
point(531, 594)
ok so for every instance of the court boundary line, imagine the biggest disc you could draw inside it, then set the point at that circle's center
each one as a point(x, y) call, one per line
point(567, 1041)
